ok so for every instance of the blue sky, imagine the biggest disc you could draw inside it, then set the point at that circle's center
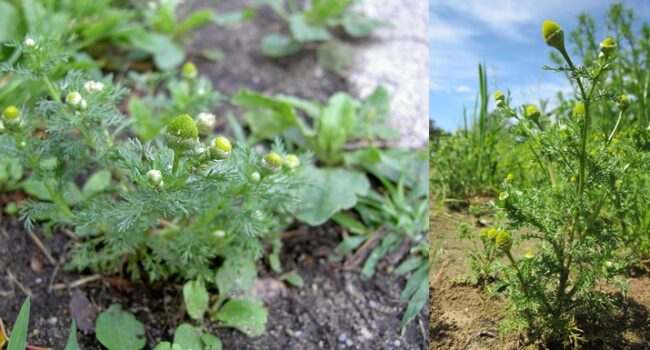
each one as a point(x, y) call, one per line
point(506, 35)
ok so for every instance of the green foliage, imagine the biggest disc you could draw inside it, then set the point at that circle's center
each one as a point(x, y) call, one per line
point(185, 204)
point(314, 26)
point(18, 338)
point(196, 298)
point(574, 214)
point(247, 315)
point(473, 161)
point(331, 191)
point(117, 329)
point(188, 337)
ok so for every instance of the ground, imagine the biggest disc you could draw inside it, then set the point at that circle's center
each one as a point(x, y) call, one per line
point(336, 309)
point(463, 317)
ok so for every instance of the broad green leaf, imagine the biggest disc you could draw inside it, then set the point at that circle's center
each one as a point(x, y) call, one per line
point(211, 342)
point(18, 339)
point(166, 53)
point(266, 116)
point(237, 274)
point(312, 108)
point(10, 21)
point(322, 10)
point(278, 45)
point(294, 279)
point(72, 343)
point(303, 31)
point(334, 57)
point(37, 189)
point(196, 298)
point(359, 26)
point(330, 191)
point(98, 182)
point(188, 337)
point(338, 119)
point(117, 329)
point(195, 21)
point(163, 346)
point(163, 19)
point(247, 315)
point(213, 54)
point(234, 17)
point(416, 292)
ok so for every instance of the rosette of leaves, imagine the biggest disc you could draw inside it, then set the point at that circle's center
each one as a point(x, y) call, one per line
point(314, 27)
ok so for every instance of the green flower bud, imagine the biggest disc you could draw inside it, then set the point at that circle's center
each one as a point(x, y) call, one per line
point(529, 255)
point(292, 161)
point(29, 42)
point(483, 234)
point(272, 161)
point(623, 103)
point(492, 234)
point(532, 112)
point(510, 177)
point(206, 121)
point(256, 177)
point(579, 110)
point(11, 114)
point(499, 98)
point(73, 99)
point(183, 127)
point(189, 70)
point(553, 35)
point(154, 177)
point(221, 148)
point(219, 234)
point(503, 241)
point(608, 46)
point(503, 196)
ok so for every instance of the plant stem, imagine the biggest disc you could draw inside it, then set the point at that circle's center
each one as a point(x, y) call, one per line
point(58, 200)
point(56, 96)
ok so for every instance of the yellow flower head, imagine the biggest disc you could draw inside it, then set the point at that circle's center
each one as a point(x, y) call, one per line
point(503, 241)
point(608, 46)
point(11, 112)
point(532, 112)
point(553, 35)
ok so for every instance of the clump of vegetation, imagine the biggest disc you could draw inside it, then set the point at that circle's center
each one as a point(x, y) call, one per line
point(185, 204)
point(312, 28)
point(571, 213)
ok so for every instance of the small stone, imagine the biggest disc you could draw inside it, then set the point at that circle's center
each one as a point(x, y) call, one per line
point(52, 321)
point(397, 343)
point(39, 280)
point(343, 337)
point(349, 343)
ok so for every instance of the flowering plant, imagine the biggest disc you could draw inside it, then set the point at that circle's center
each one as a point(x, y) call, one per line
point(568, 214)
point(185, 204)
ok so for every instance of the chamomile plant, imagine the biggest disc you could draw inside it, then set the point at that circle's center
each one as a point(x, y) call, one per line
point(183, 205)
point(168, 94)
point(567, 215)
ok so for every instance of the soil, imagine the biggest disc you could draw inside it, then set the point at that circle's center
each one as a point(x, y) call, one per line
point(244, 66)
point(336, 309)
point(463, 317)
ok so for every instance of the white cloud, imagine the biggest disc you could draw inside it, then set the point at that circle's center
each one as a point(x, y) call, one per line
point(463, 89)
